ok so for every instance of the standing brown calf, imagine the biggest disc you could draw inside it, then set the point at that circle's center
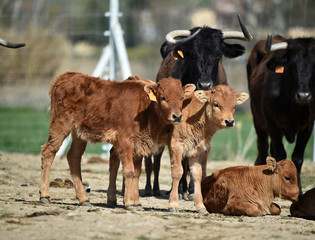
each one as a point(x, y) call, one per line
point(250, 190)
point(131, 115)
point(305, 206)
point(204, 113)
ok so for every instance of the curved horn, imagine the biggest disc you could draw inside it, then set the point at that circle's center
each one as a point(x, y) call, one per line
point(10, 45)
point(244, 35)
point(268, 43)
point(170, 37)
point(269, 47)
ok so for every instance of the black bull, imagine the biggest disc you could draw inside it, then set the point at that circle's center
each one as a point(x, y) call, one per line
point(194, 56)
point(281, 82)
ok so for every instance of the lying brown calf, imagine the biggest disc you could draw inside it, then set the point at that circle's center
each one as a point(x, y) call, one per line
point(305, 206)
point(250, 190)
point(131, 115)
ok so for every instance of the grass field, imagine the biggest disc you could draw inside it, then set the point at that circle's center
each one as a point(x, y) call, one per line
point(25, 130)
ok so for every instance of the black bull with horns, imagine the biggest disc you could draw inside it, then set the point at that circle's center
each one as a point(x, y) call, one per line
point(281, 82)
point(194, 56)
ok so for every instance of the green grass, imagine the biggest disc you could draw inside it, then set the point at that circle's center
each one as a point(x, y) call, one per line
point(25, 130)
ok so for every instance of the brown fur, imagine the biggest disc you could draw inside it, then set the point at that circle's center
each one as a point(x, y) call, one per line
point(305, 206)
point(250, 190)
point(120, 113)
point(191, 138)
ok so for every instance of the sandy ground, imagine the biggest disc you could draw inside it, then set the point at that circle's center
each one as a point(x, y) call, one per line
point(23, 217)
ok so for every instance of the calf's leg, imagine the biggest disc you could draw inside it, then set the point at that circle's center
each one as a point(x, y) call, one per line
point(56, 136)
point(156, 166)
point(240, 207)
point(125, 150)
point(113, 170)
point(177, 172)
point(74, 160)
point(148, 171)
point(196, 173)
point(137, 164)
point(275, 209)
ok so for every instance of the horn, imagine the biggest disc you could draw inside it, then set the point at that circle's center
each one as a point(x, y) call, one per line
point(244, 35)
point(269, 47)
point(11, 45)
point(170, 37)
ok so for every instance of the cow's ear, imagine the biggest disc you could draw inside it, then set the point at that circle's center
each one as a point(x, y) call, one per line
point(188, 89)
point(232, 50)
point(272, 164)
point(201, 96)
point(151, 90)
point(241, 98)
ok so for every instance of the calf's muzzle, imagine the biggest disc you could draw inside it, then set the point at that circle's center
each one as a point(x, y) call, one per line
point(177, 117)
point(229, 123)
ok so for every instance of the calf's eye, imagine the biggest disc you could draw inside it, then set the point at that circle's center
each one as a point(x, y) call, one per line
point(215, 104)
point(162, 98)
point(287, 178)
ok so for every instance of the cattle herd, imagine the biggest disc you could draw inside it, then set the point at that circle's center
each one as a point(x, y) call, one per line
point(189, 101)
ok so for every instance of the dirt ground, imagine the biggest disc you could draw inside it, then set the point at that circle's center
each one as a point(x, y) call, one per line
point(23, 217)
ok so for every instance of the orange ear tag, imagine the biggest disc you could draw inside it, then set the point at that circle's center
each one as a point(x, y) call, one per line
point(279, 69)
point(152, 96)
point(180, 53)
point(175, 58)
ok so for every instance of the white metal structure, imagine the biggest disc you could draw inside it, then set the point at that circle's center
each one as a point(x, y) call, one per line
point(107, 62)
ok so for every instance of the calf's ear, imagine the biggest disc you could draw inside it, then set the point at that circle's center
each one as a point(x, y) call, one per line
point(272, 164)
point(189, 88)
point(241, 98)
point(151, 90)
point(201, 96)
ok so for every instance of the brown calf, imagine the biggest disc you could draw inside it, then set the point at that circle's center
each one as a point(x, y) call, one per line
point(131, 115)
point(250, 190)
point(305, 206)
point(204, 113)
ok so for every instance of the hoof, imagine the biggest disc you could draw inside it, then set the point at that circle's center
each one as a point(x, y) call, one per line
point(132, 208)
point(191, 197)
point(185, 196)
point(203, 211)
point(112, 204)
point(85, 204)
point(45, 200)
point(173, 210)
point(139, 208)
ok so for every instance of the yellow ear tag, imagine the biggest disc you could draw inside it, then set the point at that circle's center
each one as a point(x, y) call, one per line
point(279, 69)
point(175, 58)
point(180, 53)
point(152, 96)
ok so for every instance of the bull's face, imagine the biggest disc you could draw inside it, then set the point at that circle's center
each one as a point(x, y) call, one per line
point(168, 96)
point(288, 177)
point(195, 56)
point(220, 104)
point(199, 61)
point(294, 65)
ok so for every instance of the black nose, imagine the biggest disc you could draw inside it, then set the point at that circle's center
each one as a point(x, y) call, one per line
point(303, 97)
point(204, 86)
point(229, 123)
point(177, 117)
